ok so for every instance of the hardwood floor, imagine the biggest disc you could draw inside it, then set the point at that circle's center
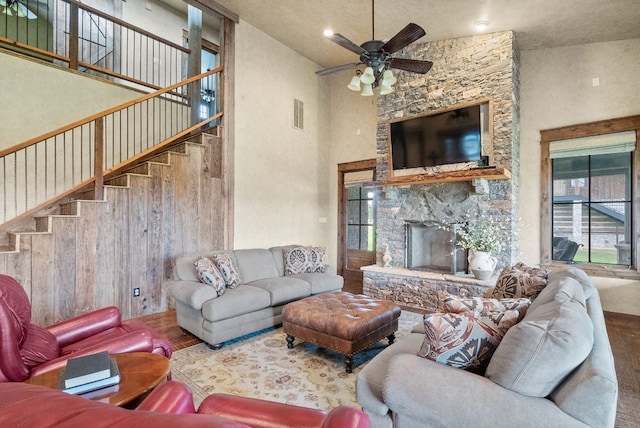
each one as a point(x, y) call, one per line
point(624, 335)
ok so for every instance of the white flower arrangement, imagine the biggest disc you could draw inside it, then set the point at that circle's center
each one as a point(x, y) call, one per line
point(479, 233)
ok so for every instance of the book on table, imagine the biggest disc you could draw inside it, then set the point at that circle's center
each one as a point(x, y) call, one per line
point(112, 379)
point(88, 368)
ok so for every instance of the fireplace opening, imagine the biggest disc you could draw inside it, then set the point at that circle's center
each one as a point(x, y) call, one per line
point(429, 247)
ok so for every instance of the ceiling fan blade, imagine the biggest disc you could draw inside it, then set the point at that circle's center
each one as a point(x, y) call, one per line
point(338, 68)
point(346, 43)
point(413, 65)
point(405, 37)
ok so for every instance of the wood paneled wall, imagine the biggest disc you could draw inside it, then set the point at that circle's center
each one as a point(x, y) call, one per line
point(95, 253)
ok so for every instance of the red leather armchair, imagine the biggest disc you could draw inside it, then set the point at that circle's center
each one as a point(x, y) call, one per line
point(169, 405)
point(27, 349)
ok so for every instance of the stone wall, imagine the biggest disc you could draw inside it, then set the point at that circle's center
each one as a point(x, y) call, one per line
point(465, 70)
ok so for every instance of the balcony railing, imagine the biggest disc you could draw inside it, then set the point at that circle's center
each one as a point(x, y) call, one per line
point(47, 168)
point(74, 35)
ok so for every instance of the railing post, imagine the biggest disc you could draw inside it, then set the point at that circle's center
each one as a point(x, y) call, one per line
point(98, 158)
point(74, 39)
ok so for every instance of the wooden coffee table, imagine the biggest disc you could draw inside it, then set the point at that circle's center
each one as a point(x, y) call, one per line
point(140, 372)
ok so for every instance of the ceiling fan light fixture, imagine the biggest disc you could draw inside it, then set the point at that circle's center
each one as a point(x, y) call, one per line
point(368, 77)
point(354, 85)
point(367, 90)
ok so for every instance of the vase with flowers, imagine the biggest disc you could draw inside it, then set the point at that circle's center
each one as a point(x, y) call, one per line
point(480, 235)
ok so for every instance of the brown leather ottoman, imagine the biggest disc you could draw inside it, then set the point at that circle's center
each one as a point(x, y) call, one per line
point(344, 322)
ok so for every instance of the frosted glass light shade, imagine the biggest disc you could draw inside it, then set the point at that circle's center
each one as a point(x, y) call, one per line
point(367, 90)
point(368, 77)
point(384, 89)
point(354, 85)
point(388, 78)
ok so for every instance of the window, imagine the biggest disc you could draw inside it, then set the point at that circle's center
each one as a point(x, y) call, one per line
point(360, 219)
point(588, 214)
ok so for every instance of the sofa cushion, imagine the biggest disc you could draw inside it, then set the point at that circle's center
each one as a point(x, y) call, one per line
point(39, 347)
point(465, 340)
point(552, 340)
point(321, 282)
point(255, 264)
point(458, 304)
point(209, 274)
point(283, 289)
point(228, 268)
point(236, 301)
point(518, 281)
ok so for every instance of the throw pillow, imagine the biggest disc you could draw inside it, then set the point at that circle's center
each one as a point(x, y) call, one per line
point(465, 340)
point(520, 281)
point(39, 346)
point(209, 274)
point(297, 260)
point(458, 304)
point(316, 259)
point(228, 269)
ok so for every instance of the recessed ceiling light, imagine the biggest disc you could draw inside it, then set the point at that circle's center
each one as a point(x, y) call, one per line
point(328, 32)
point(482, 25)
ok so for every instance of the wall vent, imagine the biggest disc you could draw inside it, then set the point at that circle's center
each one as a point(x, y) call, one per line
point(298, 114)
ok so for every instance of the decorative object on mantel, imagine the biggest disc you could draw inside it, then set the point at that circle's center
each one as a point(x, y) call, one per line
point(376, 56)
point(481, 235)
point(386, 257)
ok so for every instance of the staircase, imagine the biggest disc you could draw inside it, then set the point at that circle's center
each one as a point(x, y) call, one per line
point(86, 254)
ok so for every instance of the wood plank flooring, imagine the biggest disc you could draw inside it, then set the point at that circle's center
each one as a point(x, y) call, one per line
point(624, 335)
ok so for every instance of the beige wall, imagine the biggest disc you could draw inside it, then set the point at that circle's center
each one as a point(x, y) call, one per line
point(557, 90)
point(281, 173)
point(62, 98)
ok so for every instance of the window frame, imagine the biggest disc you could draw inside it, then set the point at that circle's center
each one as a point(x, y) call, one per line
point(610, 126)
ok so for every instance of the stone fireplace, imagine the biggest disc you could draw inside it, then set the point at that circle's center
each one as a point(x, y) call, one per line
point(466, 70)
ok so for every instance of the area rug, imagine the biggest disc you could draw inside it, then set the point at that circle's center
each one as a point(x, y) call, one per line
point(261, 366)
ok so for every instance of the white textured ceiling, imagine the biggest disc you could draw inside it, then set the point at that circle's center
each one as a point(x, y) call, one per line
point(537, 23)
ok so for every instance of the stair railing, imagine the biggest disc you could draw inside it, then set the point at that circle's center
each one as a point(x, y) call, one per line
point(48, 168)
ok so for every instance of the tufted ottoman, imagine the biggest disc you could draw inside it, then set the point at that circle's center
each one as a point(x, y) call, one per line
point(344, 322)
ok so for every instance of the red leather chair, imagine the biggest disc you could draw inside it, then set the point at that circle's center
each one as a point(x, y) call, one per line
point(27, 349)
point(169, 405)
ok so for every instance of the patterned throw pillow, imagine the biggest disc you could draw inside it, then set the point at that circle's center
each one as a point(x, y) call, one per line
point(481, 304)
point(228, 269)
point(520, 281)
point(299, 260)
point(209, 274)
point(466, 340)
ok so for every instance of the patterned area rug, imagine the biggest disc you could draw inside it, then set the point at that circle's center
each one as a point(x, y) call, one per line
point(261, 366)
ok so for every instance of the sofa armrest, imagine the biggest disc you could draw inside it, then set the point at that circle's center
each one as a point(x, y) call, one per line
point(170, 397)
point(137, 341)
point(436, 394)
point(261, 413)
point(191, 293)
point(85, 325)
point(346, 417)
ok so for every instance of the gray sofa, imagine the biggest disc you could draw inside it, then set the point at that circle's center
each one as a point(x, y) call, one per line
point(252, 306)
point(398, 388)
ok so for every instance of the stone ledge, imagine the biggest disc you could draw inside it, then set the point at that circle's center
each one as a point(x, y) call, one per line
point(419, 289)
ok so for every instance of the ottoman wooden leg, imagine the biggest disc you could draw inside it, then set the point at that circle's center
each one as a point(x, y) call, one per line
point(392, 338)
point(348, 360)
point(290, 340)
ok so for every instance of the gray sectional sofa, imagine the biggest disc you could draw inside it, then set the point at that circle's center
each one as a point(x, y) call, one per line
point(253, 305)
point(529, 382)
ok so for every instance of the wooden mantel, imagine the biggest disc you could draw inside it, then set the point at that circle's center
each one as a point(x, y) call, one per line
point(443, 177)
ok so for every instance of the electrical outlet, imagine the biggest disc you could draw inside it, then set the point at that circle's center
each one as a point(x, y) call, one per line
point(136, 292)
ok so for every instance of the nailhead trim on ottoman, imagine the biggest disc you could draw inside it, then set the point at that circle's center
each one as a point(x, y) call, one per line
point(344, 322)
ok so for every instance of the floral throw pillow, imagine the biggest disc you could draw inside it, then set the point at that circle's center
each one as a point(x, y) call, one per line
point(465, 340)
point(299, 260)
point(458, 304)
point(520, 281)
point(228, 270)
point(209, 274)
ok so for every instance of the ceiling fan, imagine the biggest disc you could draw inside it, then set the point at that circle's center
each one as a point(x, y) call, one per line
point(378, 58)
point(16, 8)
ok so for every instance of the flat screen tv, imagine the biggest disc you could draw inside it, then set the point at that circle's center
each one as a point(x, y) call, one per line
point(444, 138)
